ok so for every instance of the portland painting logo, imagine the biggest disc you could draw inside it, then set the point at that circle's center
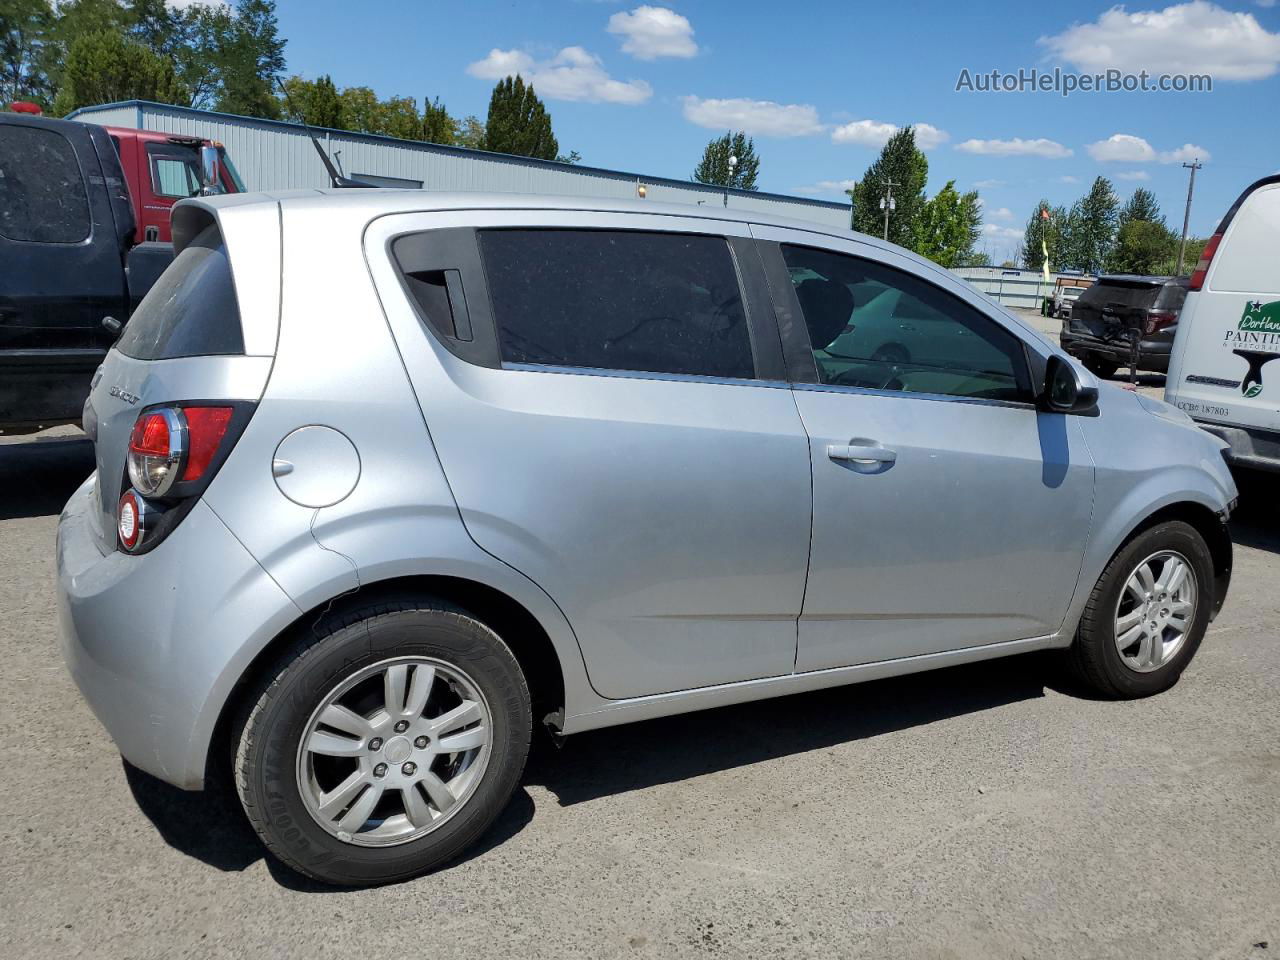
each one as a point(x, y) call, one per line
point(1256, 341)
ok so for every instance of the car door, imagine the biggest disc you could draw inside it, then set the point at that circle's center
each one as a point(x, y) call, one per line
point(607, 397)
point(948, 511)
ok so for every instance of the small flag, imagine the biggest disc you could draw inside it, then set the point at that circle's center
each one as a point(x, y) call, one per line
point(1044, 246)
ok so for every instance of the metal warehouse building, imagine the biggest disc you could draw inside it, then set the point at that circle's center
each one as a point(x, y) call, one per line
point(274, 155)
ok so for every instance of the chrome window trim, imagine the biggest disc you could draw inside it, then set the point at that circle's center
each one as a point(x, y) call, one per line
point(643, 375)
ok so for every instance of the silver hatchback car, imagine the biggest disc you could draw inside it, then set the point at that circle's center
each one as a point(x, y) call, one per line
point(385, 477)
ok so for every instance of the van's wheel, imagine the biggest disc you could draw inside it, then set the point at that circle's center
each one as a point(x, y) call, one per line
point(1147, 614)
point(1106, 369)
point(384, 743)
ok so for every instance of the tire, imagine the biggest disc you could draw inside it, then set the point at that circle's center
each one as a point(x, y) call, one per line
point(1096, 656)
point(1106, 369)
point(282, 786)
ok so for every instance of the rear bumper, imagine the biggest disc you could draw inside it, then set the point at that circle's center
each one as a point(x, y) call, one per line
point(1152, 354)
point(1258, 449)
point(154, 649)
point(45, 387)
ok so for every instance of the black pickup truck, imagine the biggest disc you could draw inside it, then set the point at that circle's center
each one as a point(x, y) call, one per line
point(70, 270)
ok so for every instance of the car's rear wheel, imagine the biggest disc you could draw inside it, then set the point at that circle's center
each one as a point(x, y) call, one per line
point(1100, 367)
point(1147, 614)
point(384, 743)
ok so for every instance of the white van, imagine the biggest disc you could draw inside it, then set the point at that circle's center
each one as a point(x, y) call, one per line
point(1221, 370)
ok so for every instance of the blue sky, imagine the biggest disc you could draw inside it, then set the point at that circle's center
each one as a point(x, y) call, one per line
point(642, 87)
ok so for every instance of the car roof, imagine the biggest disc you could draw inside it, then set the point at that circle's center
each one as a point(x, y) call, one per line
point(380, 201)
point(1137, 280)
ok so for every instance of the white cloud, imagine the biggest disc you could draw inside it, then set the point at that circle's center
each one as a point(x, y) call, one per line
point(1133, 175)
point(653, 32)
point(1002, 233)
point(828, 186)
point(866, 133)
point(986, 184)
point(1017, 147)
point(188, 4)
point(1068, 179)
point(928, 136)
point(758, 117)
point(572, 74)
point(1122, 148)
point(1196, 37)
point(873, 133)
point(1265, 3)
point(1185, 153)
point(1126, 148)
point(1000, 213)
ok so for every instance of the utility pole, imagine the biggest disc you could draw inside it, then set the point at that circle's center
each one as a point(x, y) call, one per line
point(1193, 166)
point(886, 204)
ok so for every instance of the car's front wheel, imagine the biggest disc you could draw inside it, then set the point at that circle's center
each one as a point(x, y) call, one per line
point(384, 743)
point(1100, 367)
point(1147, 614)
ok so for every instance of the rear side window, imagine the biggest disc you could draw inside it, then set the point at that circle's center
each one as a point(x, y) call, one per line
point(42, 195)
point(191, 311)
point(618, 300)
point(1171, 297)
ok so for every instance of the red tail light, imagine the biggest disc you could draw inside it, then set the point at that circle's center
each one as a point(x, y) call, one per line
point(173, 453)
point(1206, 258)
point(1160, 320)
point(206, 426)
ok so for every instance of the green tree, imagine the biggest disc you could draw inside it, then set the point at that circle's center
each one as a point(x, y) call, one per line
point(1041, 233)
point(908, 168)
point(1143, 247)
point(316, 103)
point(250, 56)
point(437, 125)
point(104, 66)
point(1093, 226)
point(714, 168)
point(948, 227)
point(25, 26)
point(518, 123)
point(471, 133)
point(1141, 206)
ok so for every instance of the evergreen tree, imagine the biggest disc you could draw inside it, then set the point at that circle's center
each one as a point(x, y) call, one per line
point(518, 123)
point(1141, 206)
point(908, 168)
point(949, 226)
point(1092, 226)
point(714, 166)
point(437, 125)
point(1041, 233)
point(1143, 247)
point(104, 66)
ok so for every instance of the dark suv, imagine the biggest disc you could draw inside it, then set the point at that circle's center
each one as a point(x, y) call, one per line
point(1097, 330)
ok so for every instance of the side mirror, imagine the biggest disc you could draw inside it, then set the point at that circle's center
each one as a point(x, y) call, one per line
point(1066, 390)
point(210, 171)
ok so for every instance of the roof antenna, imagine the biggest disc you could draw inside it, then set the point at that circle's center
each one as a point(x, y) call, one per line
point(335, 178)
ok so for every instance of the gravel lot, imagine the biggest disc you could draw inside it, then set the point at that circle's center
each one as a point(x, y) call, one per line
point(982, 812)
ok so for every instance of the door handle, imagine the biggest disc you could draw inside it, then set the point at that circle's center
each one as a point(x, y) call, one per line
point(861, 454)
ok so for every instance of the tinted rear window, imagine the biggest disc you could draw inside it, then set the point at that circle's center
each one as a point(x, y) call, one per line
point(619, 300)
point(42, 197)
point(1124, 294)
point(191, 311)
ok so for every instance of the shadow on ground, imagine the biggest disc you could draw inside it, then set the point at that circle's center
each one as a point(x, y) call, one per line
point(37, 477)
point(211, 827)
